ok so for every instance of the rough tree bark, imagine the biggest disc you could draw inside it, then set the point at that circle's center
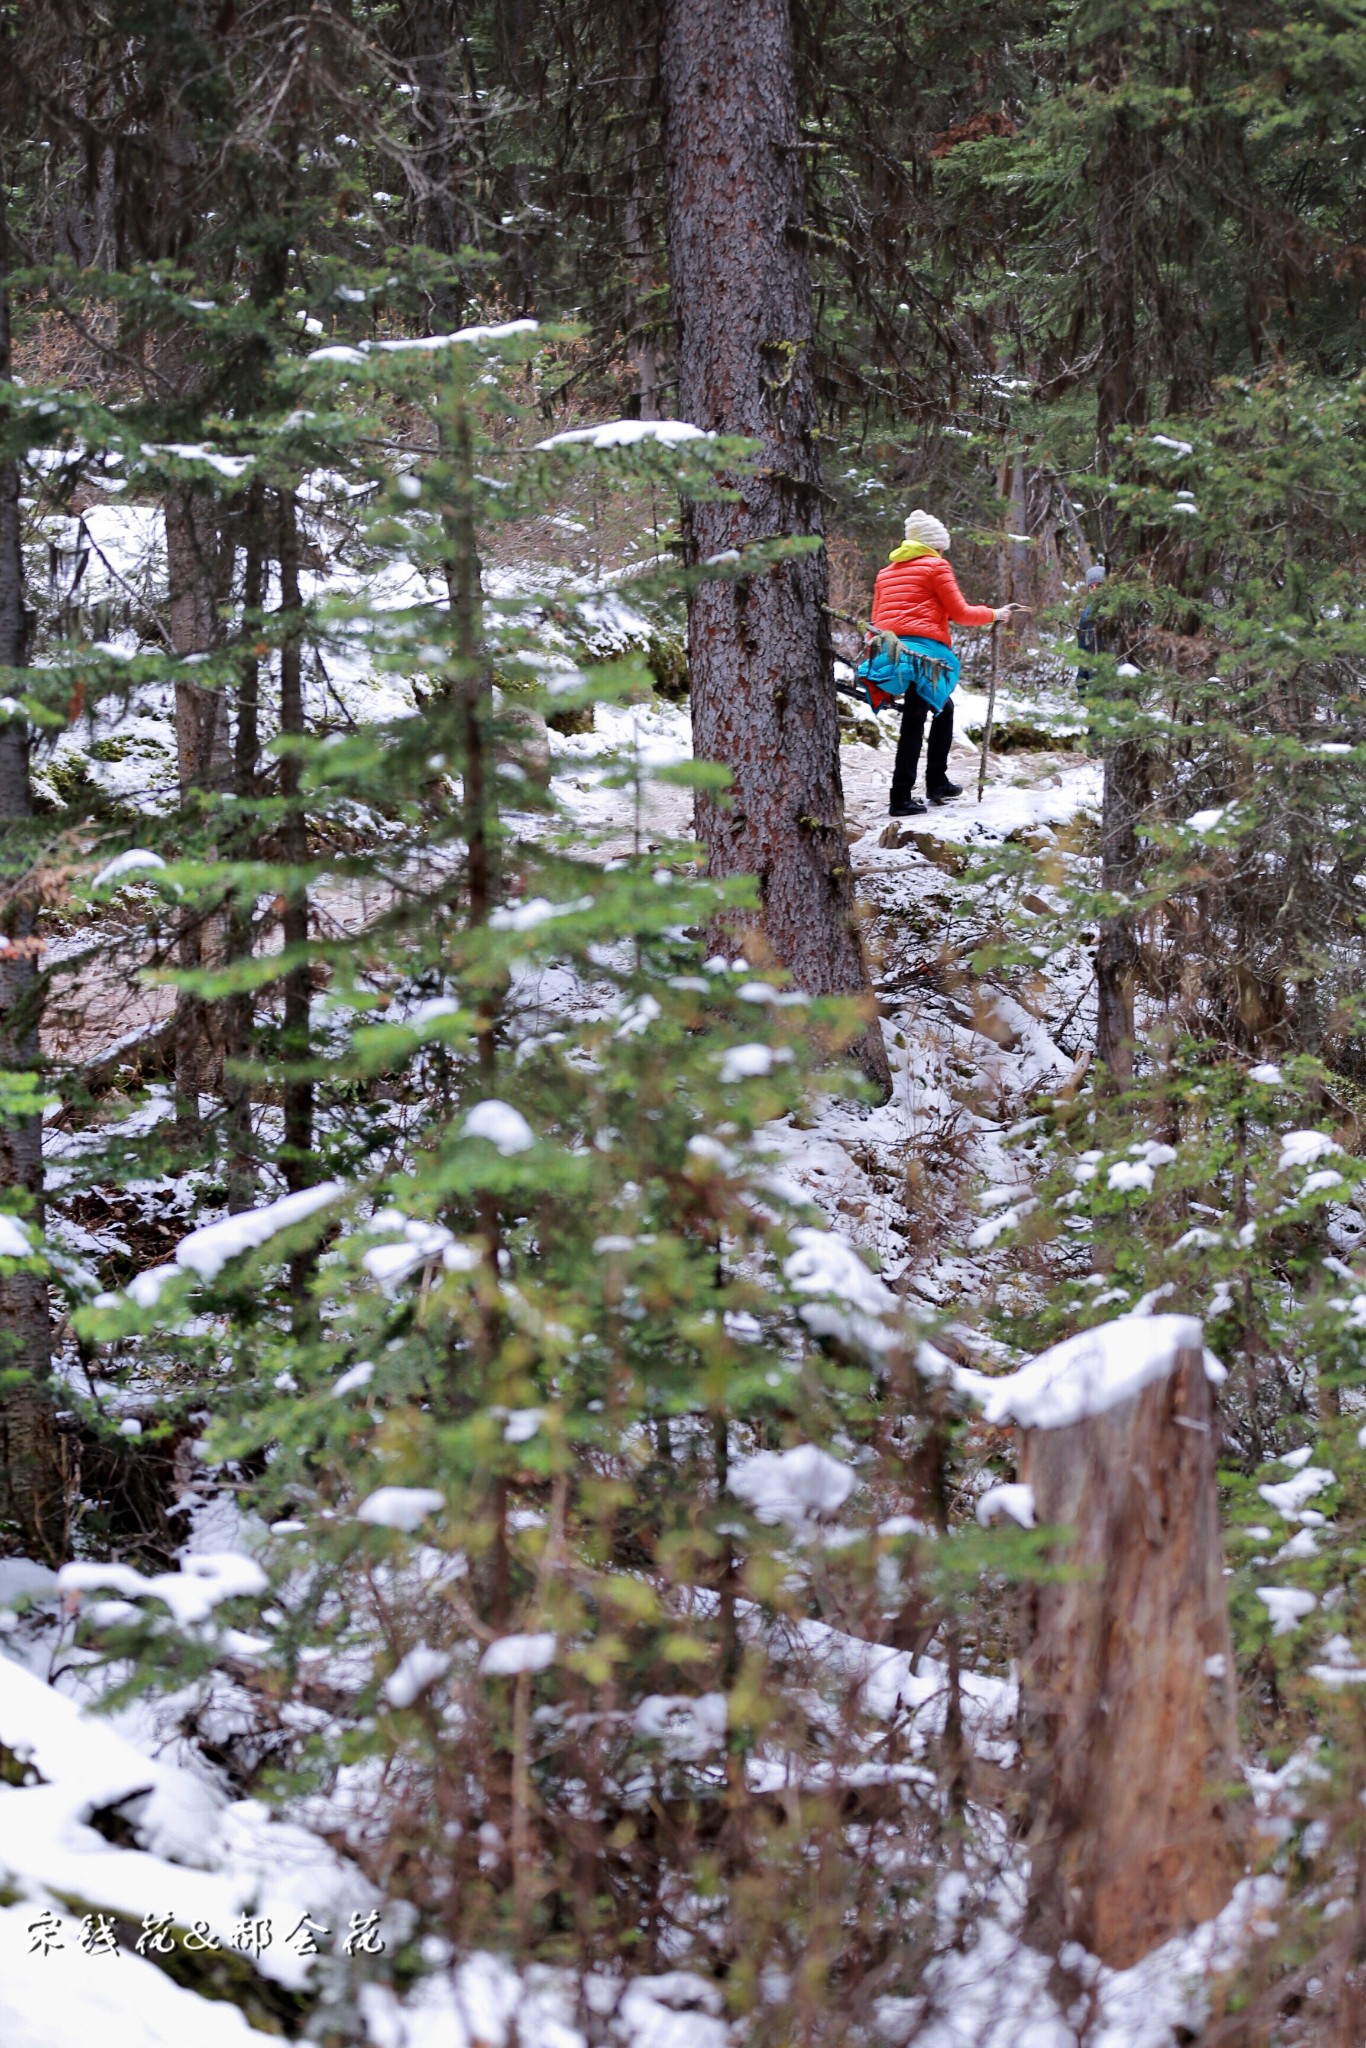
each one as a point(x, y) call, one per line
point(296, 1155)
point(239, 1010)
point(1124, 798)
point(159, 222)
point(193, 568)
point(31, 1490)
point(642, 352)
point(1127, 1676)
point(426, 37)
point(1019, 560)
point(759, 651)
point(1120, 401)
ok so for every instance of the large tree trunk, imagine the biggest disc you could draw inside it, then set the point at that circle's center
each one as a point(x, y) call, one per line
point(759, 650)
point(31, 1491)
point(1126, 1672)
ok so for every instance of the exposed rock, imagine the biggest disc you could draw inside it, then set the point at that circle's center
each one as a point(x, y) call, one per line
point(858, 724)
point(940, 852)
point(666, 657)
point(1017, 736)
point(579, 719)
point(531, 730)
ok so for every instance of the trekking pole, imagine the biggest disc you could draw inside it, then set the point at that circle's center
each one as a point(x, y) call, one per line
point(991, 712)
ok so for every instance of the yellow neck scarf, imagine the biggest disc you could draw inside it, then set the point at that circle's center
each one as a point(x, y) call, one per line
point(911, 551)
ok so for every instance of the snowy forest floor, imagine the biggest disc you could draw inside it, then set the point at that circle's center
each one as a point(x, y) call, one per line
point(968, 1050)
point(112, 1818)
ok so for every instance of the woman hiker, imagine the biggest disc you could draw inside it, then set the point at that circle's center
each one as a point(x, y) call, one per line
point(916, 599)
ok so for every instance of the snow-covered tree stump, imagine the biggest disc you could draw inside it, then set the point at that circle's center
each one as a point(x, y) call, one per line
point(1127, 1685)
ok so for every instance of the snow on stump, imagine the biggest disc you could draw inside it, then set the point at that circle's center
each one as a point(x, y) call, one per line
point(1129, 1740)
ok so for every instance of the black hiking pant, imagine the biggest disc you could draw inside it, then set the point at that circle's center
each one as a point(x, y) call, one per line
point(913, 717)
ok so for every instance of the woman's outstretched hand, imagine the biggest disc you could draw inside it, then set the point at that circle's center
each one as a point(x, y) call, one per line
point(1007, 613)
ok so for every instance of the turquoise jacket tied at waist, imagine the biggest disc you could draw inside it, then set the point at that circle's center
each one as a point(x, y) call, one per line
point(893, 667)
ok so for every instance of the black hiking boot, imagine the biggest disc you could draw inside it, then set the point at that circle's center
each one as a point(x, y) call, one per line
point(912, 808)
point(944, 792)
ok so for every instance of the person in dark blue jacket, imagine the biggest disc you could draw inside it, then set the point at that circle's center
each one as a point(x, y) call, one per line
point(1090, 631)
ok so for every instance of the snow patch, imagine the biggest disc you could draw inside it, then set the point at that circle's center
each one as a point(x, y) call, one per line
point(791, 1486)
point(509, 1656)
point(204, 1580)
point(400, 1507)
point(752, 1062)
point(1087, 1374)
point(419, 1669)
point(628, 434)
point(1015, 1501)
point(687, 1729)
point(503, 1126)
point(354, 1376)
point(340, 352)
point(1289, 1495)
point(212, 458)
point(825, 1263)
point(14, 1239)
point(1340, 1665)
point(1287, 1606)
point(126, 864)
point(1303, 1148)
point(206, 1251)
point(525, 916)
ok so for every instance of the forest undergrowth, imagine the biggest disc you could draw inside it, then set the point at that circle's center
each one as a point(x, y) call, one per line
point(541, 1232)
point(433, 1636)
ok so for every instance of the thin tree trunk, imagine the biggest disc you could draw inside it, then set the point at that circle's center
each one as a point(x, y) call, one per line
point(1016, 566)
point(642, 348)
point(192, 565)
point(1123, 799)
point(193, 570)
point(239, 1009)
point(473, 697)
point(31, 1491)
point(1120, 397)
point(473, 681)
point(247, 739)
point(1120, 402)
point(300, 1166)
point(426, 38)
point(465, 596)
point(1085, 558)
point(763, 698)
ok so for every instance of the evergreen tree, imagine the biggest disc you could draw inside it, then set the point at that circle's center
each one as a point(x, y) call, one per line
point(428, 1122)
point(544, 1426)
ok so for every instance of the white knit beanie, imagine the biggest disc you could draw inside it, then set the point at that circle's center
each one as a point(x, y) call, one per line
point(927, 530)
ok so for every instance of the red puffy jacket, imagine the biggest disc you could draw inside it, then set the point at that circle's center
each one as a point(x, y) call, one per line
point(918, 599)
